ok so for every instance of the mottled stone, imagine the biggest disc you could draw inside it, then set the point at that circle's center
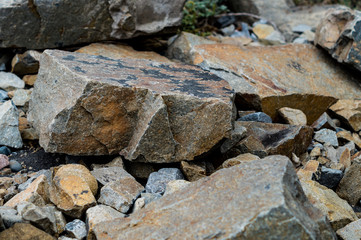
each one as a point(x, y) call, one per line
point(9, 81)
point(247, 157)
point(4, 161)
point(351, 231)
point(157, 181)
point(330, 177)
point(9, 126)
point(120, 194)
point(36, 193)
point(24, 231)
point(110, 174)
point(73, 189)
point(273, 206)
point(98, 214)
point(293, 116)
point(280, 138)
point(350, 186)
point(338, 33)
point(76, 229)
point(349, 137)
point(153, 112)
point(256, 117)
point(175, 185)
point(269, 78)
point(237, 134)
point(10, 216)
point(193, 171)
point(268, 35)
point(338, 211)
point(26, 63)
point(326, 136)
point(21, 97)
point(119, 51)
point(349, 112)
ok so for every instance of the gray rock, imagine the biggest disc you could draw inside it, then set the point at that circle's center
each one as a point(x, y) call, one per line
point(256, 117)
point(237, 134)
point(9, 126)
point(228, 31)
point(338, 33)
point(157, 181)
point(330, 177)
point(10, 216)
point(3, 96)
point(76, 229)
point(351, 231)
point(9, 81)
point(326, 136)
point(324, 121)
point(2, 226)
point(40, 25)
point(15, 166)
point(110, 174)
point(47, 218)
point(25, 185)
point(300, 28)
point(150, 197)
point(21, 97)
point(161, 117)
point(120, 194)
point(267, 194)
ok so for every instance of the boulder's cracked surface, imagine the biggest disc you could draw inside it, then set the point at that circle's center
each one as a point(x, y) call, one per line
point(150, 111)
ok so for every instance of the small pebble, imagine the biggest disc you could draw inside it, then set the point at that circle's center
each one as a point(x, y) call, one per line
point(5, 150)
point(15, 166)
point(76, 228)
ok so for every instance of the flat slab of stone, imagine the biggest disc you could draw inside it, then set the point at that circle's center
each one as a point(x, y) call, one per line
point(150, 111)
point(268, 78)
point(256, 200)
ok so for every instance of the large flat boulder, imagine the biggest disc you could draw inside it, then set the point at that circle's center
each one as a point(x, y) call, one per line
point(150, 111)
point(271, 77)
point(39, 24)
point(261, 199)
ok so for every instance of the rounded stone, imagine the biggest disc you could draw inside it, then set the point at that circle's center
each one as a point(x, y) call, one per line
point(15, 166)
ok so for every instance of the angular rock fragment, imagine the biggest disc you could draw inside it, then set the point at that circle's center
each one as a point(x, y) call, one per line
point(110, 174)
point(157, 181)
point(349, 111)
point(175, 185)
point(21, 97)
point(338, 33)
point(72, 189)
point(76, 229)
point(26, 63)
point(293, 116)
point(9, 81)
point(326, 136)
point(256, 117)
point(40, 25)
point(10, 216)
point(350, 186)
point(247, 157)
point(237, 134)
point(153, 112)
point(193, 171)
point(98, 214)
point(351, 231)
point(338, 211)
point(280, 138)
point(30, 79)
point(324, 121)
point(269, 78)
point(24, 231)
point(273, 206)
point(140, 170)
point(330, 177)
point(9, 126)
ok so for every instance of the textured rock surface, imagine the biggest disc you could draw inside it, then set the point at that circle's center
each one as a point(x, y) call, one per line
point(273, 206)
point(326, 136)
point(68, 23)
point(9, 126)
point(350, 185)
point(349, 111)
point(9, 81)
point(110, 174)
point(247, 157)
point(157, 181)
point(118, 51)
point(193, 171)
point(351, 231)
point(73, 189)
point(280, 139)
point(175, 185)
point(157, 112)
point(24, 231)
point(338, 33)
point(256, 117)
point(26, 63)
point(338, 211)
point(76, 229)
point(269, 78)
point(293, 116)
point(324, 121)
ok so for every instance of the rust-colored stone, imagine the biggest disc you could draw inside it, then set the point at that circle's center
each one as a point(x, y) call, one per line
point(349, 111)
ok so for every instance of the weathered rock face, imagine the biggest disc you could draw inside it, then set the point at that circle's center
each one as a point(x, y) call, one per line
point(24, 231)
point(350, 185)
point(67, 22)
point(338, 211)
point(350, 232)
point(9, 126)
point(156, 112)
point(280, 139)
point(273, 206)
point(269, 78)
point(349, 111)
point(338, 33)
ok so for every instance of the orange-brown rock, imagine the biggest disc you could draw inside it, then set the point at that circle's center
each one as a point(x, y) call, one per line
point(268, 78)
point(24, 231)
point(150, 111)
point(118, 51)
point(246, 157)
point(73, 189)
point(30, 79)
point(349, 111)
point(36, 193)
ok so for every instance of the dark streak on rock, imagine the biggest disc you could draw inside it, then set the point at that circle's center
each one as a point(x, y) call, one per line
point(296, 66)
point(33, 8)
point(78, 69)
point(123, 82)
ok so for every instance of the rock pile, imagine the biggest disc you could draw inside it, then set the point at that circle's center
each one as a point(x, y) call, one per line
point(224, 137)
